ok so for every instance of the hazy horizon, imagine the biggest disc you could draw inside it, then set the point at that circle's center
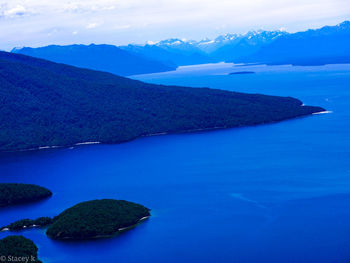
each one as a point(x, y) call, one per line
point(37, 23)
point(155, 42)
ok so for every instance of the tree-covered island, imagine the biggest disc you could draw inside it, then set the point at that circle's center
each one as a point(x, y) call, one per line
point(96, 219)
point(13, 193)
point(18, 249)
point(27, 223)
point(88, 220)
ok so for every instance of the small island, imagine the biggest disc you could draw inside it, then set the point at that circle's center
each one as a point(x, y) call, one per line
point(242, 73)
point(18, 249)
point(13, 194)
point(96, 219)
point(27, 223)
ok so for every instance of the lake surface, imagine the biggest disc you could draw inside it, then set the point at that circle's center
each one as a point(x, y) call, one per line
point(269, 193)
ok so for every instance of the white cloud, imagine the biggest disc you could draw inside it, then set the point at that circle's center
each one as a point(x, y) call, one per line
point(12, 11)
point(18, 10)
point(27, 22)
point(91, 25)
point(122, 27)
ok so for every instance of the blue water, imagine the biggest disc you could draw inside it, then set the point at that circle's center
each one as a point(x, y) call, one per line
point(270, 193)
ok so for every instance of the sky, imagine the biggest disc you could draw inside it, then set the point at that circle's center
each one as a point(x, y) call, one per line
point(42, 22)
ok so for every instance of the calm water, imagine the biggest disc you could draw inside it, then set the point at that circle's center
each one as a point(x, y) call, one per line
point(270, 193)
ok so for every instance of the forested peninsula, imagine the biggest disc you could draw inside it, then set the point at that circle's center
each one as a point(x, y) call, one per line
point(45, 104)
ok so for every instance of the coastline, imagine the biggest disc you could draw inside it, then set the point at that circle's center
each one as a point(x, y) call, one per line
point(6, 229)
point(71, 146)
point(132, 226)
point(54, 147)
point(322, 112)
point(120, 230)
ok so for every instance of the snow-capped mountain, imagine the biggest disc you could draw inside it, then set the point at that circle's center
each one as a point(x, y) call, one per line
point(253, 46)
point(211, 45)
point(176, 51)
point(229, 47)
point(171, 52)
point(329, 44)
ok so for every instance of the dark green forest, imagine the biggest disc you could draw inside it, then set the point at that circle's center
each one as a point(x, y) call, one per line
point(97, 218)
point(12, 194)
point(25, 223)
point(13, 248)
point(48, 104)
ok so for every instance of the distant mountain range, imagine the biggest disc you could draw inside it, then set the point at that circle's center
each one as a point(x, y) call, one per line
point(107, 58)
point(173, 52)
point(244, 45)
point(329, 44)
point(46, 104)
point(224, 48)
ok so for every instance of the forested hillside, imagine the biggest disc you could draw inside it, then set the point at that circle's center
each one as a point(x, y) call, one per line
point(47, 104)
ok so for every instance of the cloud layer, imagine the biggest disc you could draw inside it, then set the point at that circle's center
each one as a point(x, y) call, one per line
point(42, 22)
